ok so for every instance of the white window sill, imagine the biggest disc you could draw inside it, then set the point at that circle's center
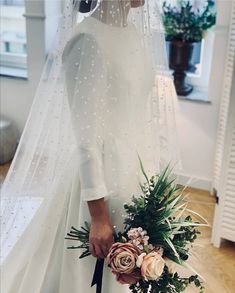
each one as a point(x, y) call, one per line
point(197, 95)
point(13, 72)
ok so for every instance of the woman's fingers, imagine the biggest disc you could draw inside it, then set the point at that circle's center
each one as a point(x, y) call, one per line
point(92, 249)
point(99, 250)
point(105, 250)
point(101, 234)
point(108, 245)
point(96, 250)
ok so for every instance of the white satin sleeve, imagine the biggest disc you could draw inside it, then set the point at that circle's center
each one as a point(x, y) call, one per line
point(83, 65)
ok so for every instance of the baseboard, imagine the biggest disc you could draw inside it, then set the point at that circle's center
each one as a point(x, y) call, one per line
point(195, 182)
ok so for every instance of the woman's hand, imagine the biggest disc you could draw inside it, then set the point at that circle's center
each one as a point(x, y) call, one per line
point(101, 230)
point(137, 3)
point(101, 238)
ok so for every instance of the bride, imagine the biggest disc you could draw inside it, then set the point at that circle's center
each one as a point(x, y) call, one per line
point(104, 100)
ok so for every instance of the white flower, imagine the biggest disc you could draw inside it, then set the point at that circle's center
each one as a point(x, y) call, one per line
point(140, 259)
point(138, 237)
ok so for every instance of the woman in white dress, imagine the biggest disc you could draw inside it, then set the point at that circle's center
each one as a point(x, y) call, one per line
point(103, 101)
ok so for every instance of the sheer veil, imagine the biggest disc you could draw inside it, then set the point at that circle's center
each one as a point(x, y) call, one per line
point(60, 138)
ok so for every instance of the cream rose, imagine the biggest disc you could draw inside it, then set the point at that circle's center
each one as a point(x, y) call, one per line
point(170, 265)
point(152, 266)
point(122, 257)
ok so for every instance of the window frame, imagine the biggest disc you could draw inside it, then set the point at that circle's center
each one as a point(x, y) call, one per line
point(14, 64)
point(201, 80)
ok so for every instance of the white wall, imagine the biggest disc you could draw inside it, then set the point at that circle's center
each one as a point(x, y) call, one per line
point(197, 136)
point(16, 99)
point(198, 122)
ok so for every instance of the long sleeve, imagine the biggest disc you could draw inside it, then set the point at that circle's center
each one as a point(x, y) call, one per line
point(85, 81)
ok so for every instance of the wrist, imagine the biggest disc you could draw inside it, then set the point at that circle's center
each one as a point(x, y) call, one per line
point(98, 210)
point(104, 219)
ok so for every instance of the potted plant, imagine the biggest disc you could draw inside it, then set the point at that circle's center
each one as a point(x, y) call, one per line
point(185, 22)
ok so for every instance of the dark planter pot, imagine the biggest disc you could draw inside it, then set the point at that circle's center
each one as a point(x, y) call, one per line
point(180, 60)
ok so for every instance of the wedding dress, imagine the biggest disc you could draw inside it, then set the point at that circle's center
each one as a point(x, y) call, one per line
point(105, 99)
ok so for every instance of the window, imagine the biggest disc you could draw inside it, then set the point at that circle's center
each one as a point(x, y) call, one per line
point(13, 39)
point(200, 77)
point(199, 73)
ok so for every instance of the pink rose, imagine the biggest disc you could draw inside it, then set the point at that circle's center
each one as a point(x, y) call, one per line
point(151, 265)
point(130, 279)
point(122, 257)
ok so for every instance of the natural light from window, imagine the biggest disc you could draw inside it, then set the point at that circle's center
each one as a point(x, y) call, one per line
point(13, 39)
point(199, 72)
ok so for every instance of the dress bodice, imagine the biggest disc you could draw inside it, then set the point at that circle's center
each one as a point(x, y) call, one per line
point(109, 80)
point(123, 63)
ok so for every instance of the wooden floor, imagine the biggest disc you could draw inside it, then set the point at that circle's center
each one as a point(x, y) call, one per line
point(217, 266)
point(3, 171)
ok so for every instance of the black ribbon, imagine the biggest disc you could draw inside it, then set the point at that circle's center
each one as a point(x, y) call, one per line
point(98, 275)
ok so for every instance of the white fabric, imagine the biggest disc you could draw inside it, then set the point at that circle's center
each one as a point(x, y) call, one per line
point(102, 100)
point(90, 134)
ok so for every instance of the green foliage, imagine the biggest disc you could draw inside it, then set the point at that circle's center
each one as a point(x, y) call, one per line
point(160, 210)
point(155, 211)
point(80, 236)
point(184, 23)
point(170, 283)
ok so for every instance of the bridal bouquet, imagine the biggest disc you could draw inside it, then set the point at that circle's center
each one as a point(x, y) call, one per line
point(158, 234)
